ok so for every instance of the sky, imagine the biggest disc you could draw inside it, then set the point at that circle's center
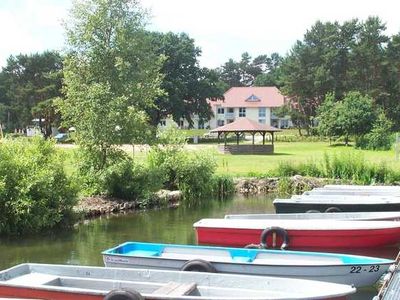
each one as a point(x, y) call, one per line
point(223, 29)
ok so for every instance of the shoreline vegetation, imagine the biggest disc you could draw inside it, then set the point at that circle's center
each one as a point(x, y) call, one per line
point(42, 185)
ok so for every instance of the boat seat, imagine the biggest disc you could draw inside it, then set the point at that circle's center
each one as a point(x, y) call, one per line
point(241, 259)
point(34, 279)
point(176, 289)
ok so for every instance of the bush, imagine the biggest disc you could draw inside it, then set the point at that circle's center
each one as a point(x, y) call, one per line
point(194, 175)
point(121, 178)
point(222, 186)
point(131, 181)
point(379, 138)
point(35, 193)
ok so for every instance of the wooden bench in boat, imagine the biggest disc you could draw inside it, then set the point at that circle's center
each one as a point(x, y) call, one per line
point(176, 289)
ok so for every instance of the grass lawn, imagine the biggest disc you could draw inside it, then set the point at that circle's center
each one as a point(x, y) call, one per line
point(247, 165)
point(242, 165)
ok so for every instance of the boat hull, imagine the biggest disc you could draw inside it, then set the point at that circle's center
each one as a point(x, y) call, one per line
point(58, 282)
point(37, 293)
point(357, 275)
point(330, 267)
point(302, 239)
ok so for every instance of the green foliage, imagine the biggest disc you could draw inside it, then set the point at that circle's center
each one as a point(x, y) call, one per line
point(380, 137)
point(131, 181)
point(167, 154)
point(285, 187)
point(35, 193)
point(194, 175)
point(223, 186)
point(353, 116)
point(26, 82)
point(187, 86)
point(111, 76)
point(339, 58)
point(260, 71)
point(190, 172)
point(346, 167)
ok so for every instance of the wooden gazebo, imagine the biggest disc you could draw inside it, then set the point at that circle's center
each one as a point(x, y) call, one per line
point(241, 126)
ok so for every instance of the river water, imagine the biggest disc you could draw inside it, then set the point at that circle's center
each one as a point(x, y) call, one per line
point(83, 244)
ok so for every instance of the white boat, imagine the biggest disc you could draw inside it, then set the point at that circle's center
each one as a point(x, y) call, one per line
point(354, 192)
point(61, 282)
point(354, 216)
point(394, 188)
point(331, 267)
point(337, 203)
point(298, 234)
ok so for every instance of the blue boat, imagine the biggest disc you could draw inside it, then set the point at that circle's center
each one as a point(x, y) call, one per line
point(330, 267)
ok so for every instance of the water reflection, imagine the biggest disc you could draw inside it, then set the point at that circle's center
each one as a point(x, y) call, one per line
point(83, 244)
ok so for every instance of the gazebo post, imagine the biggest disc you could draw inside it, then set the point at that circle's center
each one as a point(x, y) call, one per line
point(225, 138)
point(263, 135)
point(219, 134)
point(237, 137)
point(253, 133)
point(272, 133)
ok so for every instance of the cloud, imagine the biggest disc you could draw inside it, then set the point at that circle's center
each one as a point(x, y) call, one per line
point(31, 26)
point(223, 29)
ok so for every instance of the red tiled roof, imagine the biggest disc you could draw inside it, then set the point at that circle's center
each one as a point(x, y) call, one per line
point(244, 124)
point(266, 96)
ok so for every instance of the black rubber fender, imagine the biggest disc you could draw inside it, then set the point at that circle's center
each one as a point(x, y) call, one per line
point(333, 209)
point(198, 265)
point(279, 231)
point(123, 294)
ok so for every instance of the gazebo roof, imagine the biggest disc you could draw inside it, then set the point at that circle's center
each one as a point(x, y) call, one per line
point(243, 124)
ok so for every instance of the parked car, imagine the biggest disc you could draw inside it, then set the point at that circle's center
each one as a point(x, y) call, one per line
point(61, 137)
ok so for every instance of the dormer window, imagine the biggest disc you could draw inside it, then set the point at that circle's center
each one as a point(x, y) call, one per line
point(253, 98)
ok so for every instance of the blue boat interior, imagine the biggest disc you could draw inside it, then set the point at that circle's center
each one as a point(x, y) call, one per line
point(240, 255)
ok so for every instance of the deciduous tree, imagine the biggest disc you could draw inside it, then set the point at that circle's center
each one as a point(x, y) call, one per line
point(186, 86)
point(111, 75)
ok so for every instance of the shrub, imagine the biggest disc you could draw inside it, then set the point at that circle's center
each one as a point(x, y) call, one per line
point(380, 136)
point(190, 172)
point(131, 181)
point(194, 175)
point(222, 186)
point(35, 193)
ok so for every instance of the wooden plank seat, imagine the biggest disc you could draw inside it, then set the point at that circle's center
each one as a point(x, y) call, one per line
point(176, 289)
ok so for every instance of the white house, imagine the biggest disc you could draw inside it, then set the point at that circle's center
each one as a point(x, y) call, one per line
point(255, 103)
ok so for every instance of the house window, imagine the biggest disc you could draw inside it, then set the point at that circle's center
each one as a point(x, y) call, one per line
point(261, 112)
point(220, 123)
point(229, 121)
point(181, 123)
point(242, 111)
point(163, 123)
point(261, 121)
point(231, 110)
point(220, 110)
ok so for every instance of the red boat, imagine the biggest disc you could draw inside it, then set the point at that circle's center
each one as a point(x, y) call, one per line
point(298, 234)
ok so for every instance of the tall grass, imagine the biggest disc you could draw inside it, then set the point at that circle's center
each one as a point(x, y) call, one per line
point(351, 167)
point(222, 186)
